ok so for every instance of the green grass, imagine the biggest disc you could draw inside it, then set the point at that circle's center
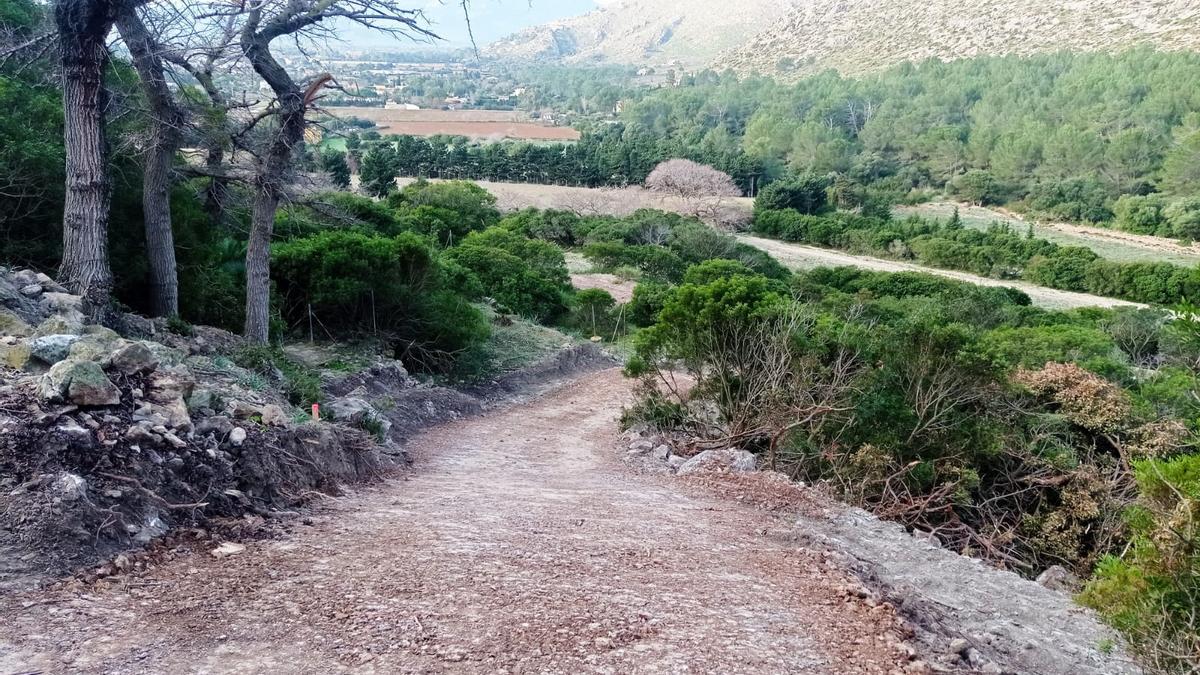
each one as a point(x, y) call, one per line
point(334, 143)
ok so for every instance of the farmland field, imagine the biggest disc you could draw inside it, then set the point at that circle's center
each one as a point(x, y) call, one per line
point(471, 123)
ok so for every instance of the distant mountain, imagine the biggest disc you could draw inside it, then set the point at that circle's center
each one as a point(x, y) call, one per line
point(791, 38)
point(693, 32)
point(855, 36)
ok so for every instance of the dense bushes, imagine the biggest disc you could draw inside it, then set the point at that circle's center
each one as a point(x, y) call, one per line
point(345, 282)
point(996, 252)
point(933, 402)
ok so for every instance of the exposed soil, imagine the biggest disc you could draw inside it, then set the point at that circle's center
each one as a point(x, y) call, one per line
point(620, 289)
point(519, 544)
point(472, 123)
point(799, 256)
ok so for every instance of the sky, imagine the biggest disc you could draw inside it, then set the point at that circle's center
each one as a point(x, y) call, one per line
point(491, 19)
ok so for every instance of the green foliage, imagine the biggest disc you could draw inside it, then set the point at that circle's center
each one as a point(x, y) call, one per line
point(1151, 591)
point(997, 252)
point(516, 285)
point(334, 164)
point(805, 193)
point(300, 384)
point(349, 282)
point(592, 311)
point(473, 207)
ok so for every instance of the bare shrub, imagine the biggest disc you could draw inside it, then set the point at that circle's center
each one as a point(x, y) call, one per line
point(701, 188)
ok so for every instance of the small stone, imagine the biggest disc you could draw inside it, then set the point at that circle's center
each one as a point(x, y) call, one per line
point(273, 416)
point(641, 445)
point(227, 549)
point(141, 435)
point(175, 441)
point(237, 436)
point(1057, 578)
point(77, 434)
point(959, 646)
point(730, 460)
point(32, 290)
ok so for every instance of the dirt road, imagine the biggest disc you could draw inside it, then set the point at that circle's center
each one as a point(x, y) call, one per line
point(518, 544)
point(799, 256)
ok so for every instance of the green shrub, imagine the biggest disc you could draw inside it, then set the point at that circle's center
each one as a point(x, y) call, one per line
point(805, 193)
point(516, 285)
point(648, 300)
point(1151, 592)
point(592, 312)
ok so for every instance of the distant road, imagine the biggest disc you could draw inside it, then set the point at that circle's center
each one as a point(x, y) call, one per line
point(800, 257)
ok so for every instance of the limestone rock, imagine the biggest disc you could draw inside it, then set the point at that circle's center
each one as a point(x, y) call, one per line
point(217, 425)
point(75, 432)
point(49, 284)
point(80, 382)
point(14, 353)
point(237, 436)
point(274, 416)
point(11, 324)
point(51, 349)
point(731, 460)
point(60, 325)
point(133, 359)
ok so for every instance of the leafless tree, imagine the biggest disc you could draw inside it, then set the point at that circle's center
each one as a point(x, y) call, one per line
point(264, 23)
point(701, 188)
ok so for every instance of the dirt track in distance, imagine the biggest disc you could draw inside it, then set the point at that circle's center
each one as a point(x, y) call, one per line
point(518, 544)
point(800, 257)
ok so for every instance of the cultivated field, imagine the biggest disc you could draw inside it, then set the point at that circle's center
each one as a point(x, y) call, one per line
point(494, 124)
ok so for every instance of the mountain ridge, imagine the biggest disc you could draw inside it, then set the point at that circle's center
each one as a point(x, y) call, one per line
point(793, 38)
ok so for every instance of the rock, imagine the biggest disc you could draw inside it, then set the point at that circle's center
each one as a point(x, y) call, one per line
point(203, 399)
point(75, 433)
point(227, 549)
point(133, 325)
point(64, 302)
point(641, 445)
point(244, 411)
point(141, 435)
point(237, 436)
point(32, 290)
point(60, 325)
point(927, 537)
point(92, 348)
point(11, 324)
point(51, 349)
point(134, 358)
point(80, 382)
point(675, 461)
point(959, 646)
point(350, 411)
point(274, 416)
point(218, 426)
point(1057, 578)
point(49, 284)
point(730, 460)
point(174, 441)
point(21, 306)
point(15, 354)
point(661, 452)
point(69, 487)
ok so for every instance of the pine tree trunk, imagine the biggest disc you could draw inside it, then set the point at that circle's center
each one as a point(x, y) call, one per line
point(165, 120)
point(83, 26)
point(272, 172)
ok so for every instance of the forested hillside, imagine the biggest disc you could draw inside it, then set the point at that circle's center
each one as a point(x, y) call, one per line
point(1081, 137)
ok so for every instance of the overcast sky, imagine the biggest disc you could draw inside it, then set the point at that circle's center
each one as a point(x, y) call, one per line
point(492, 20)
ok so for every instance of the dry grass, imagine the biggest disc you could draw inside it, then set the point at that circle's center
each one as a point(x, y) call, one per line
point(495, 124)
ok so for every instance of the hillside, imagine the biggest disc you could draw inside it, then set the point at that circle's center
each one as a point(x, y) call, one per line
point(645, 31)
point(855, 36)
point(791, 39)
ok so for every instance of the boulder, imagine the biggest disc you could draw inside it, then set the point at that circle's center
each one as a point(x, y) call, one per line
point(11, 324)
point(14, 353)
point(18, 304)
point(32, 290)
point(59, 325)
point(96, 348)
point(51, 349)
point(728, 460)
point(82, 383)
point(64, 302)
point(134, 358)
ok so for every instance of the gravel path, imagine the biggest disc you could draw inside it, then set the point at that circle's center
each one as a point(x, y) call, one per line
point(799, 256)
point(517, 545)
